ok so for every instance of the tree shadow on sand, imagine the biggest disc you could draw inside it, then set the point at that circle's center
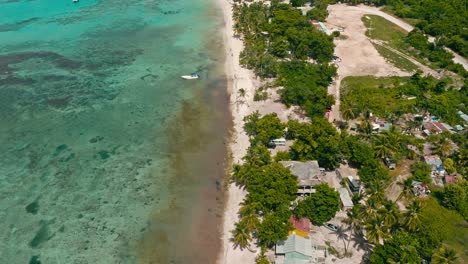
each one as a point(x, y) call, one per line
point(360, 243)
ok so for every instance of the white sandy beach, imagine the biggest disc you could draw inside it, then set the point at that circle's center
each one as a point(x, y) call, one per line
point(238, 78)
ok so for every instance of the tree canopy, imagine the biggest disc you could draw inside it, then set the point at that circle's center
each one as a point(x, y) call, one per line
point(400, 248)
point(272, 187)
point(316, 141)
point(320, 206)
point(263, 129)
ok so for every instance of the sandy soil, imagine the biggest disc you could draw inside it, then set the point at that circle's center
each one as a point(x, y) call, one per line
point(376, 11)
point(238, 78)
point(241, 78)
point(358, 55)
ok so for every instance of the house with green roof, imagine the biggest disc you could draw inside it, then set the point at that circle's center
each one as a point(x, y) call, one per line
point(295, 250)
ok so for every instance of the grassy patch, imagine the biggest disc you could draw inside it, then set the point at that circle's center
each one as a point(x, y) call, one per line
point(379, 28)
point(368, 93)
point(449, 225)
point(382, 29)
point(395, 59)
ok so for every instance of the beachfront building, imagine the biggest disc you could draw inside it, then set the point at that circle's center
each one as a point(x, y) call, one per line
point(297, 250)
point(346, 201)
point(308, 174)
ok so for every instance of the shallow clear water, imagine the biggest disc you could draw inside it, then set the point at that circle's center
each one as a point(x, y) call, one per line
point(106, 155)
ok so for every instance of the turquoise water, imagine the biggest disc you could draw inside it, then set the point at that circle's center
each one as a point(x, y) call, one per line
point(107, 156)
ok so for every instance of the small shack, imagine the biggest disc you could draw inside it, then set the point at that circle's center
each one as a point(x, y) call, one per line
point(436, 164)
point(354, 184)
point(295, 249)
point(346, 200)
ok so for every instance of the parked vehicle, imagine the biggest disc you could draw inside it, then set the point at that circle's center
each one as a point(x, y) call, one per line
point(331, 227)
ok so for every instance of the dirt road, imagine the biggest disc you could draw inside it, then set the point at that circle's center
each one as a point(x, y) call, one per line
point(358, 55)
point(374, 11)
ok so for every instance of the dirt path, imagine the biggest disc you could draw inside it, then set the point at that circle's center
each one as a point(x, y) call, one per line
point(375, 11)
point(426, 70)
point(358, 55)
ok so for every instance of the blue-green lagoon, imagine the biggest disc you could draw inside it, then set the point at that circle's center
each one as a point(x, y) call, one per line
point(106, 154)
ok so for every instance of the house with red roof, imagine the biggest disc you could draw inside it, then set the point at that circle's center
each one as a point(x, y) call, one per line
point(301, 226)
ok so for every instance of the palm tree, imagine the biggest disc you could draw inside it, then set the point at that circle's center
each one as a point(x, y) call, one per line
point(394, 138)
point(444, 256)
point(248, 208)
point(348, 113)
point(354, 218)
point(370, 210)
point(251, 221)
point(389, 213)
point(376, 230)
point(387, 143)
point(262, 259)
point(240, 236)
point(412, 215)
point(443, 147)
point(365, 126)
point(407, 186)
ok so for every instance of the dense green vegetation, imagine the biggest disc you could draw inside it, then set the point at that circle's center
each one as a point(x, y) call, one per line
point(278, 40)
point(320, 206)
point(445, 20)
point(316, 141)
point(388, 97)
point(395, 59)
point(455, 197)
point(410, 236)
point(262, 130)
point(271, 187)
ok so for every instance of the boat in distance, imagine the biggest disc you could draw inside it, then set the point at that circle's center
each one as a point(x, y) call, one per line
point(192, 76)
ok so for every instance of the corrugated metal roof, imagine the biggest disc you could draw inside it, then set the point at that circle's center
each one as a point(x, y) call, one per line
point(298, 244)
point(345, 198)
point(307, 172)
point(302, 224)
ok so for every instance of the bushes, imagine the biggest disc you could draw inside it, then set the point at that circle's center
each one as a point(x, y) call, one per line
point(320, 206)
point(262, 130)
point(305, 85)
point(421, 172)
point(437, 18)
point(272, 187)
point(316, 141)
point(288, 35)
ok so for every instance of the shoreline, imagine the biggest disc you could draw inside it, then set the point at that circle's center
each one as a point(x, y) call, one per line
point(237, 78)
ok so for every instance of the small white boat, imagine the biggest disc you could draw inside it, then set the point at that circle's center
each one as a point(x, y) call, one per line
point(76, 1)
point(192, 76)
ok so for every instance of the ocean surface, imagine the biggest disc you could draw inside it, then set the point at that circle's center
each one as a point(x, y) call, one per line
point(106, 154)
